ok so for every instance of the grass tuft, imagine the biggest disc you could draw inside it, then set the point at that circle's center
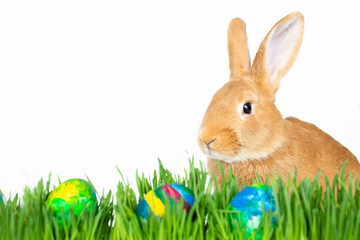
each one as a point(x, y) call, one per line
point(303, 211)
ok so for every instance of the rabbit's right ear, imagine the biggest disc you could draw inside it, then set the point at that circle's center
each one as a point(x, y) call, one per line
point(278, 51)
point(239, 57)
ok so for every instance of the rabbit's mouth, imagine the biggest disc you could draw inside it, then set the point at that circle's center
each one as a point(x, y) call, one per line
point(212, 153)
point(218, 149)
point(222, 144)
point(209, 152)
point(207, 148)
point(230, 152)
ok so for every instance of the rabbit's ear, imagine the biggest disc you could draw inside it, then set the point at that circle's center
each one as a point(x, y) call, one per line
point(239, 58)
point(279, 49)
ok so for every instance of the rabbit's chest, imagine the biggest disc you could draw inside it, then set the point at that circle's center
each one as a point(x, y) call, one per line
point(245, 171)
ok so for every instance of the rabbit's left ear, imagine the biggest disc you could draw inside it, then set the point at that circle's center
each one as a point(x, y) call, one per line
point(279, 49)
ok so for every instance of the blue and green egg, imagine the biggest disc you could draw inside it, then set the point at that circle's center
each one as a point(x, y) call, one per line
point(245, 209)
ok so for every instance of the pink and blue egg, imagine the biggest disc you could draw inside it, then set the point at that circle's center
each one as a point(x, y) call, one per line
point(154, 200)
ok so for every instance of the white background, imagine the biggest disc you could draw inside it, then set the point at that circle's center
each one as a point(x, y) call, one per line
point(88, 85)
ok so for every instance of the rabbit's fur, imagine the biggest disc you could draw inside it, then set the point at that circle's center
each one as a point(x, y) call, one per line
point(260, 140)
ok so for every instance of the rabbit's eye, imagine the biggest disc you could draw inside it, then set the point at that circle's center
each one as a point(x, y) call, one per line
point(247, 108)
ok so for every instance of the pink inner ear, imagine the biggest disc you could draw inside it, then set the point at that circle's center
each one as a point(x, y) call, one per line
point(280, 46)
point(277, 40)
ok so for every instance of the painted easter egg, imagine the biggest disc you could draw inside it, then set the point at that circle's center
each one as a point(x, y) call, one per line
point(1, 198)
point(154, 201)
point(246, 208)
point(76, 193)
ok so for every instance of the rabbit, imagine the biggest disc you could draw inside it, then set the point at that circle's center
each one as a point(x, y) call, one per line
point(243, 129)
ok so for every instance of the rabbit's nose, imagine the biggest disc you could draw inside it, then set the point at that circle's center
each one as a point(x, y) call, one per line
point(209, 143)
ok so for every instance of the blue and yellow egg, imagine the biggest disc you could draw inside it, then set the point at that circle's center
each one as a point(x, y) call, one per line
point(76, 193)
point(245, 209)
point(154, 200)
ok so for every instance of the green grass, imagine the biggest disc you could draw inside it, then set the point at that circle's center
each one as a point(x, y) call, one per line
point(306, 211)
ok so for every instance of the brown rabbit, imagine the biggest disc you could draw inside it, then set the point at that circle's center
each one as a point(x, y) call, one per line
point(242, 127)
